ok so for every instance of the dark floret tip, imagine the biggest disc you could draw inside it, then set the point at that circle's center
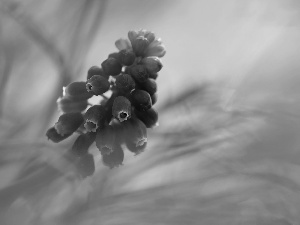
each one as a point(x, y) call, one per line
point(59, 127)
point(90, 126)
point(122, 116)
point(54, 136)
point(89, 87)
point(106, 150)
point(115, 158)
point(141, 142)
point(115, 166)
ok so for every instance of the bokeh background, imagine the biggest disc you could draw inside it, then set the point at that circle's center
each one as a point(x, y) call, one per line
point(227, 148)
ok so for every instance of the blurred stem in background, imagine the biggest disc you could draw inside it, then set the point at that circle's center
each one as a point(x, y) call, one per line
point(82, 20)
point(5, 68)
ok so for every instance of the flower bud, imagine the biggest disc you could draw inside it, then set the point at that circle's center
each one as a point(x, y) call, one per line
point(124, 83)
point(136, 135)
point(141, 100)
point(94, 118)
point(115, 55)
point(97, 85)
point(121, 108)
point(154, 98)
point(136, 149)
point(127, 57)
point(122, 44)
point(156, 48)
point(132, 35)
point(85, 165)
point(82, 144)
point(95, 70)
point(148, 117)
point(153, 75)
point(105, 140)
point(67, 105)
point(139, 73)
point(152, 64)
point(150, 36)
point(150, 86)
point(139, 46)
point(68, 123)
point(77, 91)
point(54, 136)
point(111, 66)
point(115, 158)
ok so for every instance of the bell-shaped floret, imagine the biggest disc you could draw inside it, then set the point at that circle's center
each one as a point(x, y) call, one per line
point(121, 108)
point(94, 118)
point(135, 133)
point(82, 144)
point(141, 100)
point(115, 158)
point(68, 123)
point(111, 66)
point(77, 91)
point(97, 85)
point(148, 117)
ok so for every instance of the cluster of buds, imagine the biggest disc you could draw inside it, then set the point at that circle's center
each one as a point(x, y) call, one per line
point(120, 120)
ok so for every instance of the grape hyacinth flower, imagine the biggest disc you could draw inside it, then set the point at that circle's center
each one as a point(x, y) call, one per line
point(121, 109)
point(121, 120)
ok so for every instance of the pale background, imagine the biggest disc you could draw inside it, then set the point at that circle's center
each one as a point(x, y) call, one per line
point(229, 154)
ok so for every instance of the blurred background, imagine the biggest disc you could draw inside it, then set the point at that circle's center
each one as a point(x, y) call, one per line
point(227, 148)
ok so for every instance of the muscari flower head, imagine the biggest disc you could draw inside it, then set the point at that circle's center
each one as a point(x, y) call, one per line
point(120, 120)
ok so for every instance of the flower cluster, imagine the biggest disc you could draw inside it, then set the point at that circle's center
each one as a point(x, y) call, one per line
point(121, 119)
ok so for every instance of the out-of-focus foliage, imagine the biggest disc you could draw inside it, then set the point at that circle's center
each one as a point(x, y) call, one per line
point(44, 47)
point(226, 150)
